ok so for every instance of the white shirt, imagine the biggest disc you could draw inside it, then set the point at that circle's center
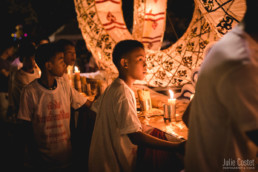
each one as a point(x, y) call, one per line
point(225, 106)
point(49, 112)
point(20, 79)
point(111, 149)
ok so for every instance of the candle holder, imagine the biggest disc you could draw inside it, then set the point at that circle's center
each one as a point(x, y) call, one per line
point(169, 112)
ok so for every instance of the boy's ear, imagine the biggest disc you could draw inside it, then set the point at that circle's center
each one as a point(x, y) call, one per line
point(48, 65)
point(123, 63)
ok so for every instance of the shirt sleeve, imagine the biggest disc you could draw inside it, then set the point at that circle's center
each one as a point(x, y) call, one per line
point(77, 99)
point(96, 104)
point(238, 92)
point(127, 119)
point(26, 105)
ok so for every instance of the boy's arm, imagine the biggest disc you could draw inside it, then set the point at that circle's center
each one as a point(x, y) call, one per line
point(143, 139)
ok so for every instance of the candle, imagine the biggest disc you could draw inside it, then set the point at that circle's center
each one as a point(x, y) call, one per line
point(170, 108)
point(77, 79)
point(191, 97)
point(171, 100)
point(77, 73)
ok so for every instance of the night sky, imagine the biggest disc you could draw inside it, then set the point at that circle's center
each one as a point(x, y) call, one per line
point(42, 17)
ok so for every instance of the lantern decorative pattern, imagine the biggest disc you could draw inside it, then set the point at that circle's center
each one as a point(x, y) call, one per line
point(102, 26)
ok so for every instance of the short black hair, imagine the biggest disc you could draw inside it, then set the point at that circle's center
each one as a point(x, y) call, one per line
point(26, 50)
point(45, 53)
point(62, 43)
point(123, 47)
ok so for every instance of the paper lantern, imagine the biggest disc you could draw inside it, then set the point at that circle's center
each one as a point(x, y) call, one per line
point(102, 26)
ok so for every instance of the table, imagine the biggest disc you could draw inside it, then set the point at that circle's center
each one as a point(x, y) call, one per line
point(153, 123)
point(175, 131)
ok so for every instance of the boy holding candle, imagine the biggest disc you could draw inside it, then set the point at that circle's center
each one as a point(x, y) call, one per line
point(45, 108)
point(118, 131)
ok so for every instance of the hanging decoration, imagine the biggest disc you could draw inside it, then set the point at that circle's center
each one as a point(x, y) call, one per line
point(150, 22)
point(102, 26)
point(19, 34)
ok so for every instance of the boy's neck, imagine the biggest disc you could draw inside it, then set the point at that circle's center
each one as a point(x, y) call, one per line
point(128, 80)
point(28, 70)
point(48, 81)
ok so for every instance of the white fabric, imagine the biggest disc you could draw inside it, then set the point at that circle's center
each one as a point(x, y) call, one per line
point(17, 63)
point(225, 106)
point(19, 80)
point(111, 149)
point(49, 112)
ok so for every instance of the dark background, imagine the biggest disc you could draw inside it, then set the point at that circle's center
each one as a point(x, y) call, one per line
point(41, 18)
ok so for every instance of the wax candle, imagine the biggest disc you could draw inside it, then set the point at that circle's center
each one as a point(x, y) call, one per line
point(171, 100)
point(77, 79)
point(76, 73)
point(170, 108)
point(191, 97)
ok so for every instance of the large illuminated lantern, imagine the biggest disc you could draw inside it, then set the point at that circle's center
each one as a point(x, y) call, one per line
point(102, 26)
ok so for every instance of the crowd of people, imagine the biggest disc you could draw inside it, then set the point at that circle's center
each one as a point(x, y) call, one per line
point(38, 100)
point(43, 63)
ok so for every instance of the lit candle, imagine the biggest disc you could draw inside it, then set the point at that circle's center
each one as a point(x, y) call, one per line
point(191, 97)
point(77, 79)
point(171, 100)
point(170, 108)
point(77, 73)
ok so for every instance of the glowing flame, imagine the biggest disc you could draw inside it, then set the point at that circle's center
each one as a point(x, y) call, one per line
point(171, 93)
point(191, 97)
point(76, 69)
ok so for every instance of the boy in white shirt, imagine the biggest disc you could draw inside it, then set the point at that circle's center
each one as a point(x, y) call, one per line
point(45, 105)
point(117, 130)
point(23, 76)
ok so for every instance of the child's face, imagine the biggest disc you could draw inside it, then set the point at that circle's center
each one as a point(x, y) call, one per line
point(136, 64)
point(57, 65)
point(69, 55)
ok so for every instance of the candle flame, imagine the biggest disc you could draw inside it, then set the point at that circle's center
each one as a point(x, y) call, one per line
point(191, 96)
point(76, 69)
point(171, 93)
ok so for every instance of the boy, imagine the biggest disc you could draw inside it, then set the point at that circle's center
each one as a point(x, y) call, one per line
point(117, 130)
point(45, 105)
point(23, 76)
point(19, 79)
point(68, 48)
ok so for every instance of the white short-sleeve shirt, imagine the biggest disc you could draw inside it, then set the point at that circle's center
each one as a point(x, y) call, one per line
point(20, 80)
point(49, 112)
point(111, 149)
point(225, 107)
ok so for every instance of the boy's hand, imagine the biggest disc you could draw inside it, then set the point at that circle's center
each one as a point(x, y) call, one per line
point(88, 103)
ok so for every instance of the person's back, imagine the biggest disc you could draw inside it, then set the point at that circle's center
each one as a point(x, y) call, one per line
point(224, 107)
